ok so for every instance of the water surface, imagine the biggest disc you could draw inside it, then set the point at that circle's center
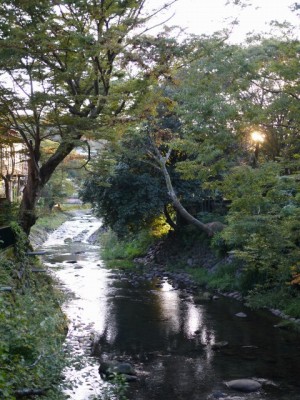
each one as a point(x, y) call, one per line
point(163, 332)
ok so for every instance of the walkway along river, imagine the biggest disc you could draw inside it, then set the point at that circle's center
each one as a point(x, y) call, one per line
point(182, 348)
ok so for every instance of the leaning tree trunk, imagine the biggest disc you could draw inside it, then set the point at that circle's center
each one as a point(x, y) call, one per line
point(37, 179)
point(179, 207)
point(211, 228)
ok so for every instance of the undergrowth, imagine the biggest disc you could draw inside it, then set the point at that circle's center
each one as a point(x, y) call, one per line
point(286, 299)
point(223, 278)
point(51, 221)
point(121, 253)
point(32, 328)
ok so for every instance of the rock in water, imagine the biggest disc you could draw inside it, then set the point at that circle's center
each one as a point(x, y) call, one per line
point(243, 385)
point(219, 345)
point(241, 315)
point(115, 367)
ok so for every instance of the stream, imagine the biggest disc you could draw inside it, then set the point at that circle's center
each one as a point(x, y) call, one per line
point(175, 342)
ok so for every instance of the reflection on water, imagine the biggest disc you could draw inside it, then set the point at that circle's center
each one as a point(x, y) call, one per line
point(162, 331)
point(77, 266)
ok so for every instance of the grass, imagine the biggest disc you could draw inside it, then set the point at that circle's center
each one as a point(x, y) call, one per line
point(223, 278)
point(121, 253)
point(119, 264)
point(51, 221)
point(286, 299)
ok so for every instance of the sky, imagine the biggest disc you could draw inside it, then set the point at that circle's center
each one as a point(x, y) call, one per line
point(208, 16)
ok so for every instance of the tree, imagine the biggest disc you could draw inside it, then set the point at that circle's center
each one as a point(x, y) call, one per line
point(263, 223)
point(230, 92)
point(128, 192)
point(222, 96)
point(68, 71)
point(135, 182)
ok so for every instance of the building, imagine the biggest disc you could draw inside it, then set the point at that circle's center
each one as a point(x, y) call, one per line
point(13, 166)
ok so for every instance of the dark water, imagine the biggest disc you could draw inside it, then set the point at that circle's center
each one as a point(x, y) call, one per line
point(162, 331)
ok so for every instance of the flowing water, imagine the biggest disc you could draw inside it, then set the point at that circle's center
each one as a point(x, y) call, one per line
point(170, 338)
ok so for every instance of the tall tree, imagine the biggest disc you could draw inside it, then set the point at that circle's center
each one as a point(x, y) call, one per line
point(69, 69)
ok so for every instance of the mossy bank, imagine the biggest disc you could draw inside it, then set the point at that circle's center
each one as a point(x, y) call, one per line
point(47, 224)
point(32, 325)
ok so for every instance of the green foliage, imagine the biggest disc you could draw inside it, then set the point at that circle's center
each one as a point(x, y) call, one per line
point(8, 213)
point(223, 277)
point(32, 331)
point(121, 252)
point(284, 298)
point(128, 191)
point(69, 71)
point(21, 244)
point(263, 223)
point(51, 221)
point(199, 275)
point(56, 190)
point(129, 203)
point(115, 389)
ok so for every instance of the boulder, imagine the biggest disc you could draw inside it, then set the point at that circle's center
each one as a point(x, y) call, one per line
point(115, 367)
point(244, 385)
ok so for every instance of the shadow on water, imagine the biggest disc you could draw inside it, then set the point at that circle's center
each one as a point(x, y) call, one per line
point(173, 342)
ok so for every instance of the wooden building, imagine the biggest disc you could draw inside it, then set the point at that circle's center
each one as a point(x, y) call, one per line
point(13, 166)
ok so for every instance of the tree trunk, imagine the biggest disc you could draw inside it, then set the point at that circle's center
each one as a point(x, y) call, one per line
point(37, 179)
point(7, 186)
point(176, 202)
point(27, 210)
point(169, 219)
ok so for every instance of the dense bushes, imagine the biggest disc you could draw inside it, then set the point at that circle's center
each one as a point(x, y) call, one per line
point(32, 329)
point(263, 228)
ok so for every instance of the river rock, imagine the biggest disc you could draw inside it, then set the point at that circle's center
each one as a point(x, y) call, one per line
point(130, 378)
point(114, 367)
point(217, 395)
point(243, 385)
point(241, 315)
point(203, 297)
point(219, 345)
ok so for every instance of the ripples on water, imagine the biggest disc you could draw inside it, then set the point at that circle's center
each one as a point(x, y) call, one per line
point(162, 331)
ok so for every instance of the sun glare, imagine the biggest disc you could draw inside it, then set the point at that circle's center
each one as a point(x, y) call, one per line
point(257, 137)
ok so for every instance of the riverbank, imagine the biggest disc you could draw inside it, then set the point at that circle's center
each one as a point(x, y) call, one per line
point(47, 224)
point(33, 326)
point(181, 341)
point(210, 268)
point(32, 329)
